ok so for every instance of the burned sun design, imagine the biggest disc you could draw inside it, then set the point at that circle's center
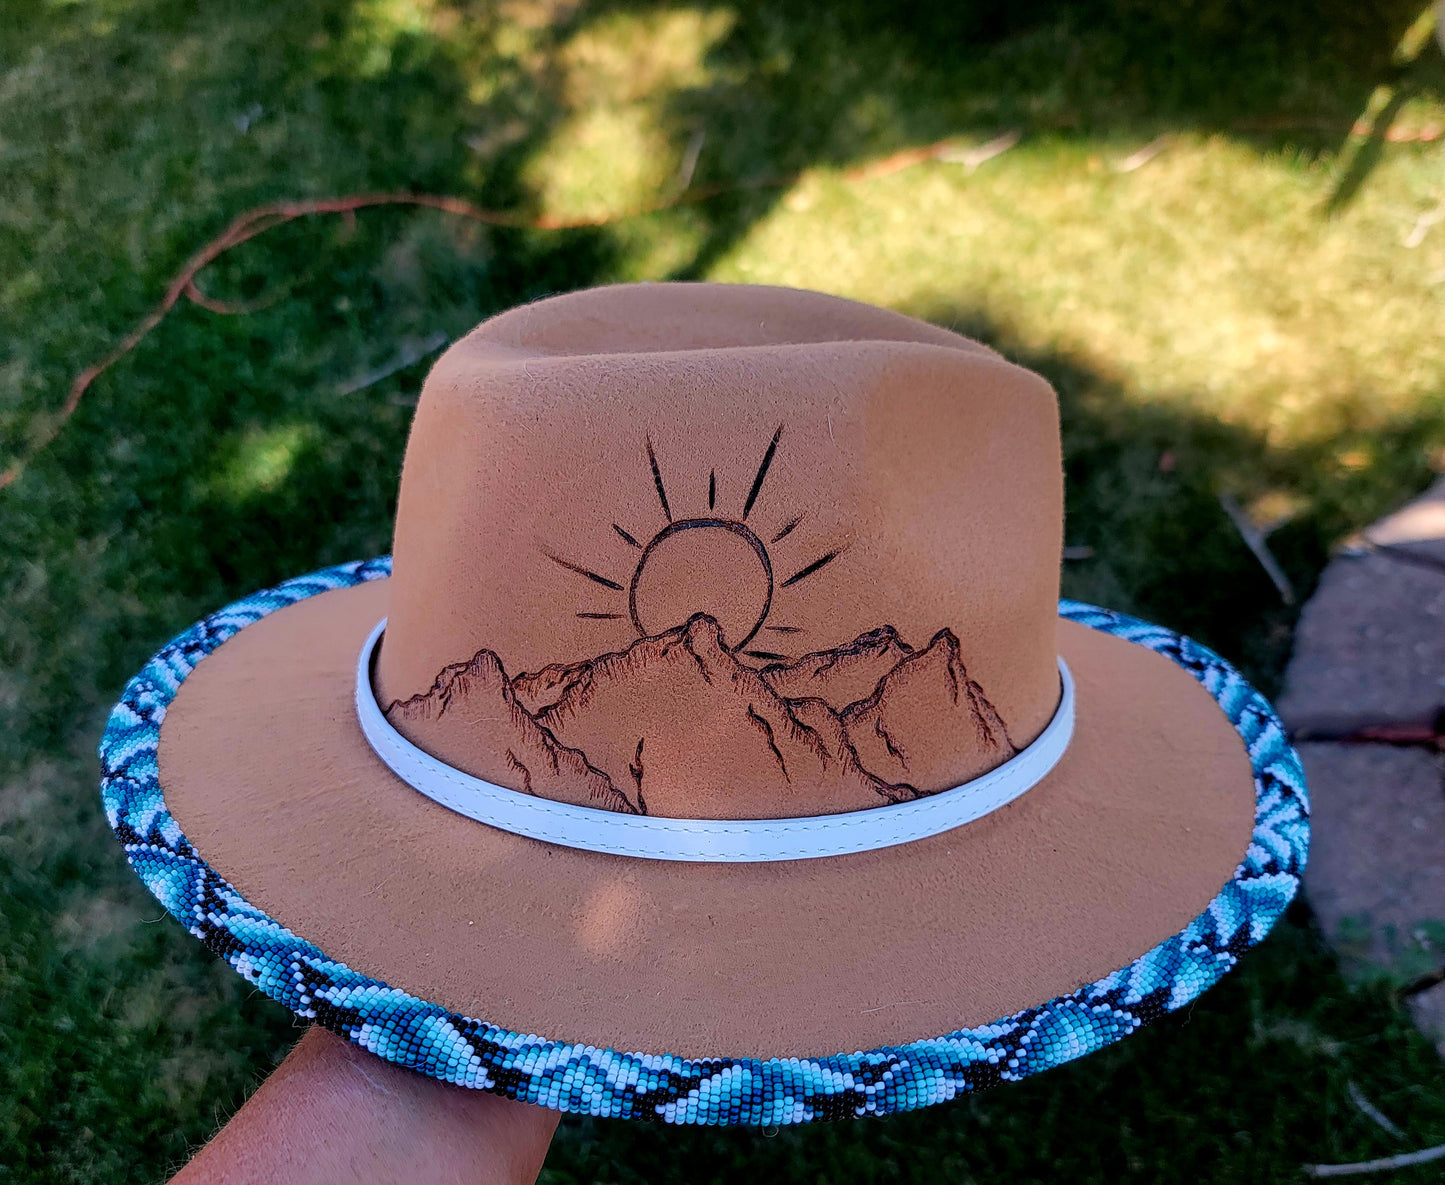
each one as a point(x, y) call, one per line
point(677, 723)
point(711, 564)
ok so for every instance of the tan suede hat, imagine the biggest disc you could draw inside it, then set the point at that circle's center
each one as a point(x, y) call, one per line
point(717, 716)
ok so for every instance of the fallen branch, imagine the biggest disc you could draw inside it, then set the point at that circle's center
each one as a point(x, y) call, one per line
point(1429, 735)
point(1385, 1164)
point(259, 219)
point(972, 158)
point(1254, 540)
point(1426, 134)
point(1370, 1111)
point(1423, 225)
point(408, 356)
point(1137, 160)
point(243, 228)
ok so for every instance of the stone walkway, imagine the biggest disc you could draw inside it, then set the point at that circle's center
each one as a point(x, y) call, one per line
point(1365, 699)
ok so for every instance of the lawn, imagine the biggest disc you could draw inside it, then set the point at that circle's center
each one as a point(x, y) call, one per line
point(1219, 230)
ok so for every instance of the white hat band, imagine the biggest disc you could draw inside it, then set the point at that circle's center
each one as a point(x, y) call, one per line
point(709, 840)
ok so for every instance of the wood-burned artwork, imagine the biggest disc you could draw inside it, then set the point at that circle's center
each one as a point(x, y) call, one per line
point(659, 726)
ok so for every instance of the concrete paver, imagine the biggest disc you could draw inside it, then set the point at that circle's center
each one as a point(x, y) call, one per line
point(1370, 651)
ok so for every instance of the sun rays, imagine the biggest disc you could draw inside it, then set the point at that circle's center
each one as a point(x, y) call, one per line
point(756, 570)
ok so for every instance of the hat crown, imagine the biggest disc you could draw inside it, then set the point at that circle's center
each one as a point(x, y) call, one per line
point(718, 551)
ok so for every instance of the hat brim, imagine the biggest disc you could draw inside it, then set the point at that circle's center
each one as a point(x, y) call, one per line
point(1168, 840)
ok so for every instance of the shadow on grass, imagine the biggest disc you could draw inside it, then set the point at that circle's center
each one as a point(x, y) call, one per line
point(1417, 69)
point(802, 85)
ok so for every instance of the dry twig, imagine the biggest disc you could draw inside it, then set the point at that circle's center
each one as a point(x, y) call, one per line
point(1385, 1164)
point(259, 219)
point(408, 355)
point(971, 158)
point(1137, 160)
point(1370, 1111)
point(1254, 540)
point(1423, 224)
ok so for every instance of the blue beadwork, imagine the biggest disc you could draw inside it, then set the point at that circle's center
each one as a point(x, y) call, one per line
point(582, 1079)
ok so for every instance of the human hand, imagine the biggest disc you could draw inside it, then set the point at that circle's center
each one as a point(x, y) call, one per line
point(333, 1114)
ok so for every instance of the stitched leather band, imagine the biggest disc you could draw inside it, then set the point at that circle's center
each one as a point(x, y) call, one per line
point(709, 840)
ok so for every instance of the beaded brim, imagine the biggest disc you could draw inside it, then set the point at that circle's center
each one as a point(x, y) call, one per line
point(584, 1078)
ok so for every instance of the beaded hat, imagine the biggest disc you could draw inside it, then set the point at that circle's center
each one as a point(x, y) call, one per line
point(715, 748)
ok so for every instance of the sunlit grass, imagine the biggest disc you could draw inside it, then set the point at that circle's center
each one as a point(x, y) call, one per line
point(379, 27)
point(615, 149)
point(261, 460)
point(1208, 277)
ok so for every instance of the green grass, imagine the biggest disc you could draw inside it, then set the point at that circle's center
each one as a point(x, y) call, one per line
point(1246, 313)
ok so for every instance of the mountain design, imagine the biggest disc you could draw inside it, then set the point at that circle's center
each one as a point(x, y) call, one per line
point(896, 728)
point(474, 699)
point(842, 675)
point(676, 726)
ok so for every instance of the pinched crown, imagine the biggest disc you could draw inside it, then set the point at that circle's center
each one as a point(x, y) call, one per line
point(721, 551)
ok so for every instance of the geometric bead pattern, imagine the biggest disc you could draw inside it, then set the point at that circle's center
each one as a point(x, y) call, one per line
point(585, 1080)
